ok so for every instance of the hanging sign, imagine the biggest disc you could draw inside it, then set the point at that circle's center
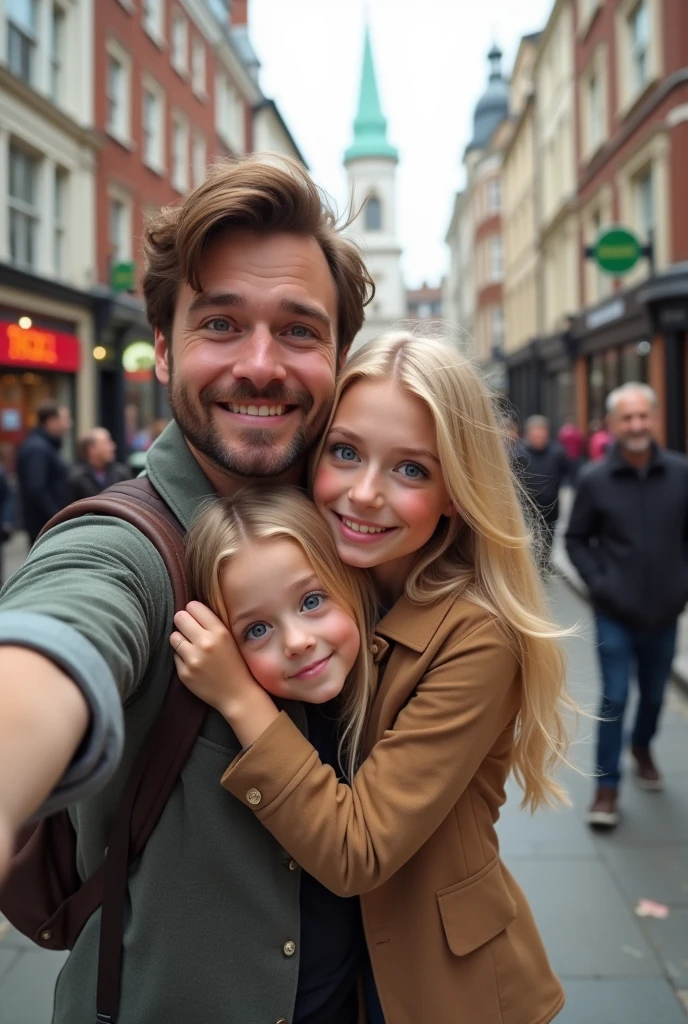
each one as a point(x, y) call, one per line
point(617, 251)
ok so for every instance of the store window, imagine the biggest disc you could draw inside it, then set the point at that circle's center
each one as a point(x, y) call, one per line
point(23, 207)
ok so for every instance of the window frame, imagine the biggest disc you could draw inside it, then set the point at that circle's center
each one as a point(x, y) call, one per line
point(28, 35)
point(179, 60)
point(157, 162)
point(117, 54)
point(197, 141)
point(24, 211)
point(61, 184)
point(179, 170)
point(153, 20)
point(119, 197)
point(373, 203)
point(199, 73)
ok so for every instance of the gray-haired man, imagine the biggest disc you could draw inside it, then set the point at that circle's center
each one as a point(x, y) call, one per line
point(628, 538)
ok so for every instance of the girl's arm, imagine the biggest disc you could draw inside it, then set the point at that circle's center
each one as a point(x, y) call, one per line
point(353, 838)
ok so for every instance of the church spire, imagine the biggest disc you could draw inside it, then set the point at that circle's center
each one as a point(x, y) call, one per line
point(370, 126)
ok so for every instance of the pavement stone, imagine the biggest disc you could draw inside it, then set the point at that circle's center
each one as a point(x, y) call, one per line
point(616, 1001)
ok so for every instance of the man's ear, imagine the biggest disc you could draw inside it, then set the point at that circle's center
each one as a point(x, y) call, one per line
point(162, 357)
point(342, 357)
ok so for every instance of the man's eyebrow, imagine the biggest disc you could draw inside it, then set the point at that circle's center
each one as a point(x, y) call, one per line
point(215, 300)
point(308, 310)
point(300, 584)
point(412, 452)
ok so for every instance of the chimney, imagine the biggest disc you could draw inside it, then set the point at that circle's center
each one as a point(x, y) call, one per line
point(239, 12)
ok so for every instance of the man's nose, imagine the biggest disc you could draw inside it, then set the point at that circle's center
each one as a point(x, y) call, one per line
point(259, 359)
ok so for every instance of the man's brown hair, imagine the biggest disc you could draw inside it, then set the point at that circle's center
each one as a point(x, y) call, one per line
point(255, 195)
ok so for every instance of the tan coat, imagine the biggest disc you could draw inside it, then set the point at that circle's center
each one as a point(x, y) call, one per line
point(451, 937)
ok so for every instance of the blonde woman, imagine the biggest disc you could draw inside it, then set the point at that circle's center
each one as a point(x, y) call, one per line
point(412, 479)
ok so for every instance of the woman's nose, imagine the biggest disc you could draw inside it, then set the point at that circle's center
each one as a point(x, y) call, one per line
point(366, 490)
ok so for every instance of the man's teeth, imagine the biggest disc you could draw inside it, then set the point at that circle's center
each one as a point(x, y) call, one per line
point(258, 410)
point(360, 528)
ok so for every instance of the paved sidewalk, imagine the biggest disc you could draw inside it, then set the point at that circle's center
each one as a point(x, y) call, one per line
point(583, 887)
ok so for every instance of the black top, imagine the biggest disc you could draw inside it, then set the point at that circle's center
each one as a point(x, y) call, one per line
point(331, 929)
point(542, 471)
point(628, 537)
point(42, 475)
point(85, 482)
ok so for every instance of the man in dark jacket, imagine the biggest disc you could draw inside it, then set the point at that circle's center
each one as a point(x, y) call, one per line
point(628, 538)
point(6, 514)
point(96, 468)
point(542, 467)
point(41, 470)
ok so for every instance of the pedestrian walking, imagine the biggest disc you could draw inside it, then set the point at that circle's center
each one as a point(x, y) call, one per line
point(254, 297)
point(7, 513)
point(414, 484)
point(42, 473)
point(572, 440)
point(627, 539)
point(96, 468)
point(542, 465)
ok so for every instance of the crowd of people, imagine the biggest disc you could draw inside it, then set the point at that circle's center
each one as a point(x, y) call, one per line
point(369, 653)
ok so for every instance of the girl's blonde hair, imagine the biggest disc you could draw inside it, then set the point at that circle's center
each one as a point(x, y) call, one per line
point(254, 514)
point(485, 552)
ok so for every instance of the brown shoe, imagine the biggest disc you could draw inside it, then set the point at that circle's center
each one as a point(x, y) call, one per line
point(646, 771)
point(604, 812)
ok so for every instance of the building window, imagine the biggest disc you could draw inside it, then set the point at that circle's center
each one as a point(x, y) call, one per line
point(494, 195)
point(198, 67)
point(118, 92)
point(21, 37)
point(373, 214)
point(60, 223)
point(199, 159)
point(180, 44)
point(230, 115)
point(180, 153)
point(639, 31)
point(152, 127)
point(497, 329)
point(644, 204)
point(23, 207)
point(595, 110)
point(152, 11)
point(120, 230)
point(57, 42)
point(496, 262)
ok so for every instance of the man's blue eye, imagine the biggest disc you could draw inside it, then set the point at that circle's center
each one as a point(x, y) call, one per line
point(223, 322)
point(257, 631)
point(301, 331)
point(415, 472)
point(344, 452)
point(313, 602)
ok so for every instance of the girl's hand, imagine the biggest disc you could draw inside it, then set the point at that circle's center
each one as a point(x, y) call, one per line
point(208, 662)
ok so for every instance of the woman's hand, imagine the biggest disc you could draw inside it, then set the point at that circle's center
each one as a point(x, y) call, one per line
point(209, 663)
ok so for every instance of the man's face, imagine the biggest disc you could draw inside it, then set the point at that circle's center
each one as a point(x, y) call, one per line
point(61, 424)
point(633, 422)
point(102, 450)
point(538, 437)
point(253, 360)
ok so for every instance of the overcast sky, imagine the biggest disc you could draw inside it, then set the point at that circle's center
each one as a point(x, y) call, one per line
point(430, 57)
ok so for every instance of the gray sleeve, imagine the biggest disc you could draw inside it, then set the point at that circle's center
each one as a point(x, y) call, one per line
point(101, 749)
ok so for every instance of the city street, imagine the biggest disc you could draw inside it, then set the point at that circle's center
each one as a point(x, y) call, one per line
point(616, 968)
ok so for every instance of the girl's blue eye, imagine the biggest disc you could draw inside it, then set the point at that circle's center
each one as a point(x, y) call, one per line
point(344, 452)
point(312, 602)
point(415, 472)
point(257, 631)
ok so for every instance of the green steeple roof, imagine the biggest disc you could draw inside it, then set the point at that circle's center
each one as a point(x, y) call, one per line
point(370, 126)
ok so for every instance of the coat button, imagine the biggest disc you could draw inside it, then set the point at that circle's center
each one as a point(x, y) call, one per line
point(293, 865)
point(46, 935)
point(289, 948)
point(254, 796)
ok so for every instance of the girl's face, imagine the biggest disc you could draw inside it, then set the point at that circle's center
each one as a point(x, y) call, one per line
point(379, 483)
point(296, 640)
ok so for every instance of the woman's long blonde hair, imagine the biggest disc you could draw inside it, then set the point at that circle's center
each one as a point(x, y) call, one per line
point(485, 552)
point(254, 514)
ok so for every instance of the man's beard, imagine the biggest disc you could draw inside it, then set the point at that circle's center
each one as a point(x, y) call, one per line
point(256, 454)
point(638, 444)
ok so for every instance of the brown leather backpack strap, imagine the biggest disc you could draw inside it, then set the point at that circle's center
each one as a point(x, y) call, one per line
point(162, 757)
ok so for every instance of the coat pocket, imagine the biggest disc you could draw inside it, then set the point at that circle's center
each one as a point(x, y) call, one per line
point(477, 909)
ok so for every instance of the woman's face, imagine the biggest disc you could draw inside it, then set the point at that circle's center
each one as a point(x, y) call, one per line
point(296, 640)
point(379, 482)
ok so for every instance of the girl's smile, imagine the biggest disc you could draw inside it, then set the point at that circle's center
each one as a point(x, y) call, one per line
point(379, 482)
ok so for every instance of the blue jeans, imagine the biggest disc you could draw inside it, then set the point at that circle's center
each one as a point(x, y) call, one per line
point(653, 652)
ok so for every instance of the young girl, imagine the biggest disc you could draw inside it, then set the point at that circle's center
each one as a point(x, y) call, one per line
point(413, 480)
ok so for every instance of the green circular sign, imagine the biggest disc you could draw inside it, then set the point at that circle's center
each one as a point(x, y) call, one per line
point(617, 251)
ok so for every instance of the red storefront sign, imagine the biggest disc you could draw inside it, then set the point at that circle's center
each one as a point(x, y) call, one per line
point(39, 349)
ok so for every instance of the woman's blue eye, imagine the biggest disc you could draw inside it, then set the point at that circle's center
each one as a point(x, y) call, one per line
point(312, 602)
point(344, 452)
point(257, 631)
point(415, 472)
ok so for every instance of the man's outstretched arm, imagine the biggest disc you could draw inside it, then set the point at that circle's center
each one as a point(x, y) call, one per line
point(44, 719)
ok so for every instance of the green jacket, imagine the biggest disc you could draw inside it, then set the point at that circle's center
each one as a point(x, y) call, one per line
point(214, 898)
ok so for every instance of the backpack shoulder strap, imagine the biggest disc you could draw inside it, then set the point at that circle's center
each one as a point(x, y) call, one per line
point(163, 754)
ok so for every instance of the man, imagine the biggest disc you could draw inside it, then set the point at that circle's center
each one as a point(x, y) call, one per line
point(627, 538)
point(96, 468)
point(542, 466)
point(41, 471)
point(6, 514)
point(254, 298)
